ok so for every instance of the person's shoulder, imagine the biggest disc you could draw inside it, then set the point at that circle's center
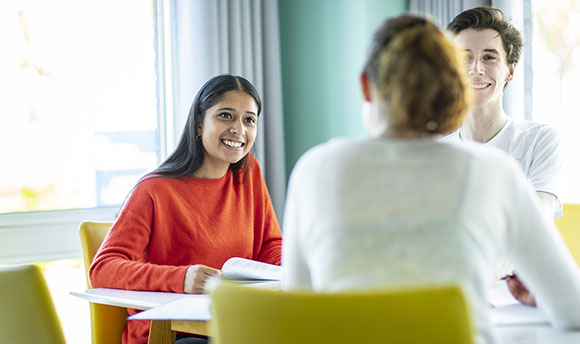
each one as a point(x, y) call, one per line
point(534, 131)
point(152, 180)
point(331, 150)
point(155, 183)
point(322, 155)
point(147, 188)
point(524, 124)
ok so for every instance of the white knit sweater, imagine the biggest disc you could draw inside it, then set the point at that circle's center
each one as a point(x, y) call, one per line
point(370, 213)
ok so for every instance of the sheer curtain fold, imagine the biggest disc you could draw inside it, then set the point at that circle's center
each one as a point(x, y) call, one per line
point(441, 12)
point(517, 99)
point(239, 37)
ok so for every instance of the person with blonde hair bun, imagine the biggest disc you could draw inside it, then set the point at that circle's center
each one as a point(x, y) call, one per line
point(403, 207)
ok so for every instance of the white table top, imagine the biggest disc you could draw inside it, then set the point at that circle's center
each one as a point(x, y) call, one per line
point(514, 323)
point(128, 298)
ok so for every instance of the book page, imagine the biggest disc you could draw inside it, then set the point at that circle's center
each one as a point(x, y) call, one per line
point(241, 268)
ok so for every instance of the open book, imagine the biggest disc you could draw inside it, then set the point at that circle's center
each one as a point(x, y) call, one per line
point(246, 269)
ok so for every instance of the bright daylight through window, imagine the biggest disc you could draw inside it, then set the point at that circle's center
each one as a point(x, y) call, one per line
point(556, 73)
point(78, 127)
point(78, 118)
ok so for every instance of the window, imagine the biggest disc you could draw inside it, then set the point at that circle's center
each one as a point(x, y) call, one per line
point(556, 75)
point(79, 125)
point(78, 117)
point(81, 116)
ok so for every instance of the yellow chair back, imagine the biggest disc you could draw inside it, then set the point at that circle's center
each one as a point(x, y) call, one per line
point(569, 227)
point(107, 322)
point(244, 315)
point(27, 313)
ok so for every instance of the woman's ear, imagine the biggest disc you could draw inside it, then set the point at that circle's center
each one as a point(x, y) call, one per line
point(199, 131)
point(365, 86)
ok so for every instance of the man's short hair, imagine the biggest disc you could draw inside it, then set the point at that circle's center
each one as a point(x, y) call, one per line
point(481, 18)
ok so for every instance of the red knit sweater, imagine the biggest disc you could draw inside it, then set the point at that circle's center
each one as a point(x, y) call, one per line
point(169, 224)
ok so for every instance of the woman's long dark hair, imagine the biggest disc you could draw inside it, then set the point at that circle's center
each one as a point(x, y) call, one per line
point(188, 155)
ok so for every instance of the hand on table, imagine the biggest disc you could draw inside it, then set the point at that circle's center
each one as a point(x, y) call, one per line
point(196, 277)
point(520, 291)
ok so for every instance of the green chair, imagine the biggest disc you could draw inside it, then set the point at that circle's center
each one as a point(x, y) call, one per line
point(569, 227)
point(107, 322)
point(244, 315)
point(27, 313)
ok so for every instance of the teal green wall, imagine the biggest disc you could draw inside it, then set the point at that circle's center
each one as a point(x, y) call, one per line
point(323, 45)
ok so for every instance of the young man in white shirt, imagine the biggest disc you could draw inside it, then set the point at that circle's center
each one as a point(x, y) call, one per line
point(493, 47)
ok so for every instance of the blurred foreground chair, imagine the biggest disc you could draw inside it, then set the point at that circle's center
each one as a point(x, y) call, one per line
point(27, 313)
point(107, 322)
point(244, 315)
point(569, 227)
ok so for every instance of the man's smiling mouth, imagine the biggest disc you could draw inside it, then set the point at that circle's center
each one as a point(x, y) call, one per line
point(479, 86)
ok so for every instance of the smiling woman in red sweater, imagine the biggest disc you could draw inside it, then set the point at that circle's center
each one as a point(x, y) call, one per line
point(206, 203)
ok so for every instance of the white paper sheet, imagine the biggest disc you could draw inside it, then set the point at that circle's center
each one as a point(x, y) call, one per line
point(127, 298)
point(192, 307)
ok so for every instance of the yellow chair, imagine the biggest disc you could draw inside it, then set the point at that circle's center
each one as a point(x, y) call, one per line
point(569, 227)
point(244, 315)
point(27, 313)
point(107, 322)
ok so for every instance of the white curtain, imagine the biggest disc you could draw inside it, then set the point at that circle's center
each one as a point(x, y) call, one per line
point(211, 37)
point(517, 99)
point(443, 11)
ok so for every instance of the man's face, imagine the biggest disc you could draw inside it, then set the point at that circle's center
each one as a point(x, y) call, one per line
point(486, 63)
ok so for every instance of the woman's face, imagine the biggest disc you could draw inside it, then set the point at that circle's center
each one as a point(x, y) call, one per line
point(228, 132)
point(486, 64)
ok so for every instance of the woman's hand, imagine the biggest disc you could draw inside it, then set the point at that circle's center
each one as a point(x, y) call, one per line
point(520, 291)
point(196, 276)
